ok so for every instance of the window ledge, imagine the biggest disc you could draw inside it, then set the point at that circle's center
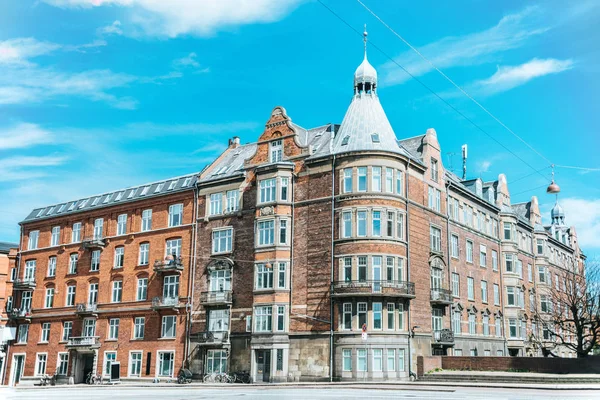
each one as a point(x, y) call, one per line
point(111, 340)
point(167, 338)
point(43, 343)
point(136, 340)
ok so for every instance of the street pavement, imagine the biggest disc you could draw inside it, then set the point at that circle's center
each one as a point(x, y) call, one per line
point(82, 392)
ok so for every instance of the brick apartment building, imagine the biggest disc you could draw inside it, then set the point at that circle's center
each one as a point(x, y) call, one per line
point(287, 248)
point(8, 253)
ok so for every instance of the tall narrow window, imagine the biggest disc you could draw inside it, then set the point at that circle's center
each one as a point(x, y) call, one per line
point(113, 328)
point(484, 291)
point(70, 300)
point(390, 316)
point(389, 180)
point(470, 289)
point(268, 189)
point(138, 327)
point(376, 179)
point(284, 189)
point(348, 180)
point(362, 179)
point(32, 243)
point(347, 316)
point(119, 256)
point(435, 235)
point(454, 246)
point(347, 359)
point(376, 223)
point(347, 224)
point(74, 257)
point(76, 232)
point(40, 365)
point(347, 269)
point(232, 200)
point(361, 217)
point(377, 311)
point(280, 318)
point(93, 294)
point(175, 215)
point(282, 275)
point(146, 220)
point(434, 170)
point(49, 301)
point(455, 285)
point(469, 251)
point(98, 228)
point(143, 258)
point(55, 239)
point(362, 314)
point(95, 261)
point(398, 181)
point(276, 150)
point(362, 268)
point(122, 224)
point(51, 266)
point(117, 291)
point(216, 206)
point(399, 225)
point(283, 236)
point(142, 289)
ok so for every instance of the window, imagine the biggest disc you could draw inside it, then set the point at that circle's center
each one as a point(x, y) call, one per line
point(347, 271)
point(55, 238)
point(347, 316)
point(138, 327)
point(545, 304)
point(361, 217)
point(540, 246)
point(434, 199)
point(218, 321)
point(542, 274)
point(513, 328)
point(171, 287)
point(30, 270)
point(348, 180)
point(93, 294)
point(45, 336)
point(376, 223)
point(494, 260)
point(166, 361)
point(49, 301)
point(142, 289)
point(283, 231)
point(232, 200)
point(454, 246)
point(122, 224)
point(401, 316)
point(109, 358)
point(398, 182)
point(40, 365)
point(98, 228)
point(469, 250)
point(222, 240)
point(389, 230)
point(73, 263)
point(89, 327)
point(362, 268)
point(70, 295)
point(51, 266)
point(377, 311)
point(263, 318)
point(168, 326)
point(390, 316)
point(267, 190)
point(400, 225)
point(144, 254)
point(282, 275)
point(377, 359)
point(113, 328)
point(434, 170)
point(216, 361)
point(276, 150)
point(362, 314)
point(400, 269)
point(496, 294)
point(507, 230)
point(216, 207)
point(362, 179)
point(435, 235)
point(175, 215)
point(390, 269)
point(498, 326)
point(401, 363)
point(347, 359)
point(280, 318)
point(436, 278)
point(33, 240)
point(361, 359)
point(117, 291)
point(376, 179)
point(95, 261)
point(470, 289)
point(455, 285)
point(119, 256)
point(13, 274)
point(264, 276)
point(22, 333)
point(62, 364)
point(146, 220)
point(482, 256)
point(9, 303)
point(472, 322)
point(508, 260)
point(76, 232)
point(67, 331)
point(484, 297)
point(266, 232)
point(389, 180)
point(456, 324)
point(284, 189)
point(436, 319)
point(135, 363)
point(347, 224)
point(510, 296)
point(173, 247)
point(220, 280)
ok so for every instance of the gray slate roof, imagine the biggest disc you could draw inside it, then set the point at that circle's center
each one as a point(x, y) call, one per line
point(230, 165)
point(6, 246)
point(414, 145)
point(134, 193)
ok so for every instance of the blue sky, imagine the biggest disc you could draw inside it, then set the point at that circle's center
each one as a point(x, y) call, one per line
point(96, 95)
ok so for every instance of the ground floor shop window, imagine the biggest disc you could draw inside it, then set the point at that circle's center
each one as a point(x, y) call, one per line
point(109, 357)
point(216, 361)
point(361, 357)
point(347, 359)
point(391, 360)
point(279, 359)
point(165, 363)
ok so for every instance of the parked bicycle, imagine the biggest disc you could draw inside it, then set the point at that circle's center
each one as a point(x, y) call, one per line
point(48, 380)
point(93, 379)
point(241, 377)
point(218, 378)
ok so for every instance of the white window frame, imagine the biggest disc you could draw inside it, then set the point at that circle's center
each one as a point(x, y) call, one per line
point(175, 215)
point(168, 331)
point(121, 224)
point(147, 220)
point(222, 240)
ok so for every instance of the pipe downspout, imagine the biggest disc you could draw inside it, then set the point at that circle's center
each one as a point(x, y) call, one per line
point(448, 235)
point(192, 275)
point(407, 229)
point(332, 269)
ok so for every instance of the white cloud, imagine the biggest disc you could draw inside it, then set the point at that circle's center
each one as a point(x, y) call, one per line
point(509, 77)
point(112, 29)
point(19, 50)
point(584, 214)
point(24, 135)
point(179, 17)
point(511, 32)
point(187, 61)
point(26, 167)
point(484, 166)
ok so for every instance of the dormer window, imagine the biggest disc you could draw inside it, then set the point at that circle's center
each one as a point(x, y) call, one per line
point(345, 140)
point(276, 151)
point(434, 169)
point(375, 137)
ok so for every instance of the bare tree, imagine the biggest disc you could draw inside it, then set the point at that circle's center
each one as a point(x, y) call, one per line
point(569, 313)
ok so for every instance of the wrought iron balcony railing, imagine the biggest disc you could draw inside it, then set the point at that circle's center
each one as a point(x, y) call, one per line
point(214, 338)
point(159, 302)
point(17, 313)
point(169, 264)
point(373, 288)
point(83, 308)
point(216, 297)
point(93, 242)
point(25, 283)
point(443, 336)
point(83, 341)
point(441, 296)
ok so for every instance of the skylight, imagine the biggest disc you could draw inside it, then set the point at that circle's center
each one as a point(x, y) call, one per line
point(72, 206)
point(51, 210)
point(159, 187)
point(62, 208)
point(345, 140)
point(145, 190)
point(131, 193)
point(39, 214)
point(83, 203)
point(120, 195)
point(375, 137)
point(96, 201)
point(187, 181)
point(107, 198)
point(172, 184)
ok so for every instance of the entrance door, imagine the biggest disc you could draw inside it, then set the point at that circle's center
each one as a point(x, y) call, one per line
point(87, 361)
point(263, 365)
point(18, 364)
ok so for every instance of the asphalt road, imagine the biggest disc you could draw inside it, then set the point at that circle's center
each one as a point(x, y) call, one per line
point(295, 393)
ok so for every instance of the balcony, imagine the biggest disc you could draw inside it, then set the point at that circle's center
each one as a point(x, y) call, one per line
point(93, 242)
point(24, 284)
point(17, 314)
point(169, 264)
point(373, 288)
point(216, 297)
point(444, 337)
point(83, 342)
point(213, 338)
point(441, 296)
point(164, 303)
point(84, 310)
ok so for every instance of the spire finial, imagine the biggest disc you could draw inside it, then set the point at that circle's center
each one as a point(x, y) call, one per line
point(365, 40)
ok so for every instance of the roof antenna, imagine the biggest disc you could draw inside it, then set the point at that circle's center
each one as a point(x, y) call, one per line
point(365, 40)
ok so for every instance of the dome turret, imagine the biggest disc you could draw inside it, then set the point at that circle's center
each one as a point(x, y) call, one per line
point(365, 76)
point(557, 214)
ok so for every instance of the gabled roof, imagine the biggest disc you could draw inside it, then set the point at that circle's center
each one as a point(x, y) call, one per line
point(230, 164)
point(6, 246)
point(134, 193)
point(414, 145)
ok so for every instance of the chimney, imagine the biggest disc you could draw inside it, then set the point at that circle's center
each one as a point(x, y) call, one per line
point(234, 142)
